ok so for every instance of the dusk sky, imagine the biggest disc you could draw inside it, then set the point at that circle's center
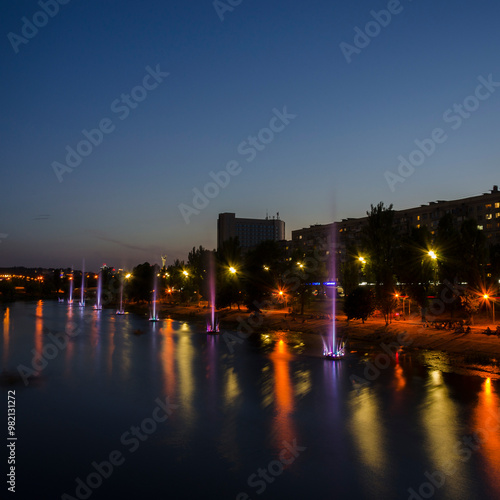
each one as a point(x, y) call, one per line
point(351, 114)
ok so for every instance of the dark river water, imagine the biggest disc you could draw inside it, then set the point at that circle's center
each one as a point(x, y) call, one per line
point(104, 413)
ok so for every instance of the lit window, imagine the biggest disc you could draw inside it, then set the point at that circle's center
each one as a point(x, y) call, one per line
point(497, 205)
point(497, 215)
point(480, 228)
point(489, 216)
point(418, 217)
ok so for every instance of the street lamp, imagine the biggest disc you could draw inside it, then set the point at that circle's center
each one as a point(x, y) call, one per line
point(432, 254)
point(232, 270)
point(487, 297)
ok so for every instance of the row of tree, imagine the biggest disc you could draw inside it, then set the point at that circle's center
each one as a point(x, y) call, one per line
point(425, 266)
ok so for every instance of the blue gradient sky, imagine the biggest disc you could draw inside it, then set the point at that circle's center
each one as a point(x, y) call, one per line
point(120, 206)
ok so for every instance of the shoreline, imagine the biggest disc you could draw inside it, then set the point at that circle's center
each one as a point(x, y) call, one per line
point(473, 352)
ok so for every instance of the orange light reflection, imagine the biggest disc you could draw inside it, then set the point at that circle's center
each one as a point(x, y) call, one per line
point(487, 425)
point(283, 391)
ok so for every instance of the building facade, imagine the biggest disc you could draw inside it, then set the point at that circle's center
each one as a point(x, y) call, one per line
point(250, 232)
point(338, 236)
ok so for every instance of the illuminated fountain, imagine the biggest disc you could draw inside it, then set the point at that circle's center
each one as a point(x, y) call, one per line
point(334, 348)
point(82, 289)
point(98, 305)
point(213, 324)
point(70, 299)
point(154, 315)
point(121, 310)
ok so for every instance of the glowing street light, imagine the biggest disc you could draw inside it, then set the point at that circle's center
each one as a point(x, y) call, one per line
point(362, 260)
point(128, 276)
point(487, 297)
point(185, 273)
point(266, 268)
point(232, 270)
point(432, 254)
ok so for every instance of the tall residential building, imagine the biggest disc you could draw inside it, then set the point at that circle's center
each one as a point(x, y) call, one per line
point(484, 208)
point(250, 232)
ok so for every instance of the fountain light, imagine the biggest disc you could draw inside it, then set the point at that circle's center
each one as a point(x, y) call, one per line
point(154, 315)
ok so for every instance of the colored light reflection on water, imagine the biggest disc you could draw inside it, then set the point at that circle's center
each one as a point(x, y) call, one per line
point(283, 394)
point(5, 335)
point(234, 411)
point(487, 429)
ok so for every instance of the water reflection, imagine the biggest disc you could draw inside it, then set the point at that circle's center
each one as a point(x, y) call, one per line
point(369, 434)
point(111, 343)
point(168, 359)
point(399, 378)
point(229, 445)
point(440, 419)
point(6, 331)
point(185, 357)
point(487, 425)
point(39, 329)
point(283, 394)
point(70, 346)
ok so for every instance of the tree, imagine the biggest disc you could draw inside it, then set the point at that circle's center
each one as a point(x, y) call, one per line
point(228, 283)
point(415, 267)
point(471, 302)
point(473, 254)
point(380, 243)
point(359, 304)
point(140, 285)
point(264, 269)
point(198, 264)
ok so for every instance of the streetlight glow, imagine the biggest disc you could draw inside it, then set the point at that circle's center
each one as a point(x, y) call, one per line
point(432, 254)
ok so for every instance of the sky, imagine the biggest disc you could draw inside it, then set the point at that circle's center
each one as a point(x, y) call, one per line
point(308, 109)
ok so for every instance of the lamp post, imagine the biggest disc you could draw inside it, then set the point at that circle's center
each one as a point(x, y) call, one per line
point(487, 297)
point(433, 256)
